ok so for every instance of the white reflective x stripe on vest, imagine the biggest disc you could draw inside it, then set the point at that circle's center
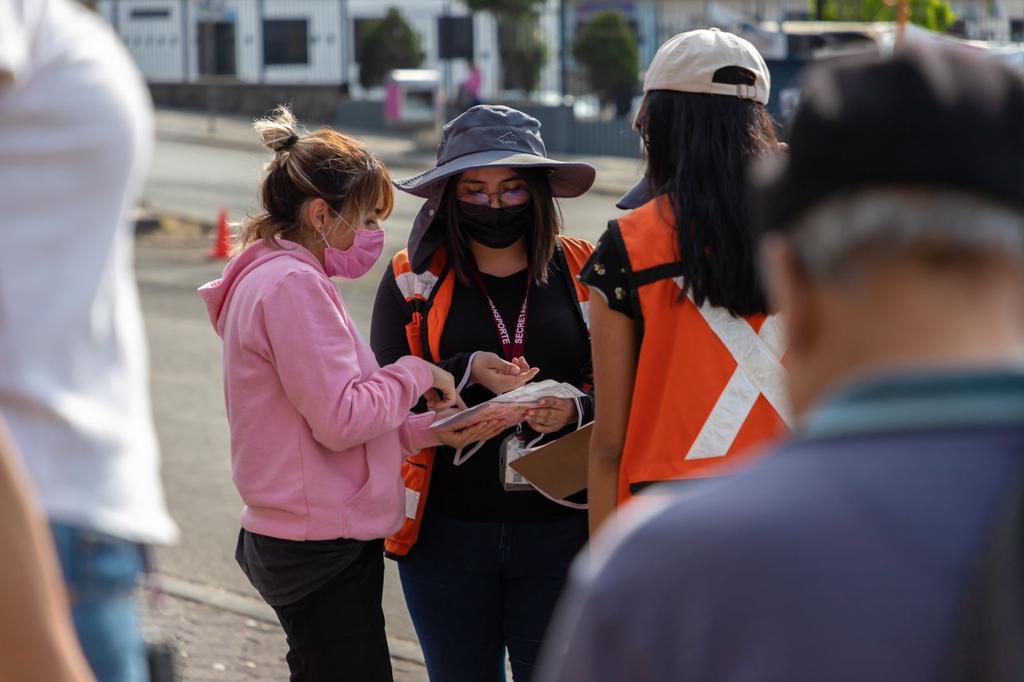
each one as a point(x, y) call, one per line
point(416, 285)
point(759, 371)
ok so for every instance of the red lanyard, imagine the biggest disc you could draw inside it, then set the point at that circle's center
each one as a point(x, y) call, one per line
point(512, 346)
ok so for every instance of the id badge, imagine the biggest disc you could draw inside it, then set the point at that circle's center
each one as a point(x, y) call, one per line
point(512, 448)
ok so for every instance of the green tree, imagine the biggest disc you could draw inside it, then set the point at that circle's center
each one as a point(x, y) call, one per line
point(386, 44)
point(935, 15)
point(521, 46)
point(607, 49)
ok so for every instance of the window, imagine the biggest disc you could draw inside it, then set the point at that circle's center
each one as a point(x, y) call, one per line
point(160, 13)
point(285, 41)
point(1017, 30)
point(216, 42)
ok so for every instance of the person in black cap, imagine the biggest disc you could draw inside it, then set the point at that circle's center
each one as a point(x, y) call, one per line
point(687, 360)
point(487, 290)
point(883, 541)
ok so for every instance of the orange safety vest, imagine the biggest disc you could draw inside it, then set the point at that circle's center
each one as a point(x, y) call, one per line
point(708, 385)
point(429, 295)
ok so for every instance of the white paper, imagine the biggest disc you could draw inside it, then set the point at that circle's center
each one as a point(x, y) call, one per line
point(511, 406)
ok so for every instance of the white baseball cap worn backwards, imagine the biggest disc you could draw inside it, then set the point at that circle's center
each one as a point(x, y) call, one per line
point(688, 62)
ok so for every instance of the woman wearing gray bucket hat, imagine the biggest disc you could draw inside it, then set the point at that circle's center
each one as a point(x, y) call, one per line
point(681, 320)
point(487, 290)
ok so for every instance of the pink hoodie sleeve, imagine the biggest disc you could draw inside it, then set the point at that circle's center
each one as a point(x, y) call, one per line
point(315, 354)
point(416, 435)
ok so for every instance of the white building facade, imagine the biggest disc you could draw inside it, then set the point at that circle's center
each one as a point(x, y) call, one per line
point(294, 42)
point(312, 42)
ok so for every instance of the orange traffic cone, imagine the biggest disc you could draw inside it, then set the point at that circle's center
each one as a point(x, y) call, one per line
point(222, 245)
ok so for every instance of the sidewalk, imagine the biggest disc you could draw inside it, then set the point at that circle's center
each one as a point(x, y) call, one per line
point(218, 636)
point(615, 175)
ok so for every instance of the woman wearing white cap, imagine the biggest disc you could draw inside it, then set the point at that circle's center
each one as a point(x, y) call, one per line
point(686, 357)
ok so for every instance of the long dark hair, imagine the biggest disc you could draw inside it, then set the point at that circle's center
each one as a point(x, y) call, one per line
point(540, 239)
point(698, 147)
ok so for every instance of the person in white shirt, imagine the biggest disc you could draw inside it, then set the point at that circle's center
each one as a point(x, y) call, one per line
point(75, 138)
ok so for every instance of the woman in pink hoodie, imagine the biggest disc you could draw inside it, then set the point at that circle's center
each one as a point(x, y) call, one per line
point(318, 428)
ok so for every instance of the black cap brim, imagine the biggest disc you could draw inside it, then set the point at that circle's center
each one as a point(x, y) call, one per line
point(634, 198)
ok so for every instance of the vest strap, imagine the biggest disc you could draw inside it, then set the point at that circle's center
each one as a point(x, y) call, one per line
point(657, 273)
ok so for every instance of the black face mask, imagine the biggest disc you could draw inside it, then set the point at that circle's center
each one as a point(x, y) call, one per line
point(495, 228)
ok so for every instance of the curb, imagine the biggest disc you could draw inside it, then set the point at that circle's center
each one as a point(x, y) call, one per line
point(401, 649)
point(406, 160)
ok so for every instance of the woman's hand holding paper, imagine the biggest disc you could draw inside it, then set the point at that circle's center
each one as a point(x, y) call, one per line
point(554, 414)
point(459, 437)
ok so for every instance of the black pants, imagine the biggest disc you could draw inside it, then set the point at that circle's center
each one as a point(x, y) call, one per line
point(336, 633)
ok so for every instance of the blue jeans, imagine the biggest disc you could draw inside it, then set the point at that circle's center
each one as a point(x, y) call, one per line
point(477, 589)
point(101, 573)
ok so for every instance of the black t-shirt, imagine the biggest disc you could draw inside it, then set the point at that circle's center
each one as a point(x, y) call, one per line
point(606, 272)
point(556, 341)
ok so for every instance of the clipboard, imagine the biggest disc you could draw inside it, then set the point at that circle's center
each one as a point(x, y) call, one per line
point(558, 468)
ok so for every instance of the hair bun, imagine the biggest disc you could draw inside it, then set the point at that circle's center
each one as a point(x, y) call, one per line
point(278, 132)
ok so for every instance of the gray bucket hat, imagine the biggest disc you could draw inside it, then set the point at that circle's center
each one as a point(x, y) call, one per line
point(490, 135)
point(485, 135)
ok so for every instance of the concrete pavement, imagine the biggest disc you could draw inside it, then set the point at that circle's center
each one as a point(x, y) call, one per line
point(212, 643)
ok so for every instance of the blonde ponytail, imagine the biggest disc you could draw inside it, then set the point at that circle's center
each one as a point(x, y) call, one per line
point(279, 133)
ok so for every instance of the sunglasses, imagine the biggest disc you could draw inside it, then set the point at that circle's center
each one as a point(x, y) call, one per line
point(507, 199)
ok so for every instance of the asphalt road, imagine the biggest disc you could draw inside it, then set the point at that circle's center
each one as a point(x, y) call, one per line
point(195, 181)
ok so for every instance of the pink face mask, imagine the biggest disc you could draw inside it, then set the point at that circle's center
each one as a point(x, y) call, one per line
point(357, 260)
